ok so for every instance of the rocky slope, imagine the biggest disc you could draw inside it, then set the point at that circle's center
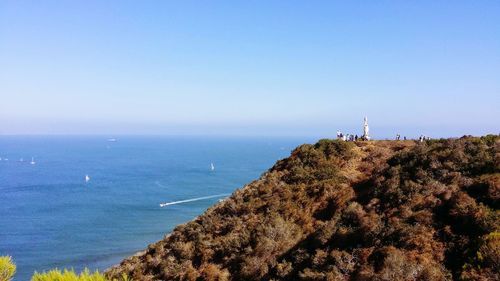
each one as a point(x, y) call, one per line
point(378, 210)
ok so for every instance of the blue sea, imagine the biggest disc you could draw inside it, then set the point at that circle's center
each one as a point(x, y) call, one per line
point(50, 217)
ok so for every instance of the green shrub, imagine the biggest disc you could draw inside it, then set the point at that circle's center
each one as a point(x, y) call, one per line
point(70, 275)
point(7, 268)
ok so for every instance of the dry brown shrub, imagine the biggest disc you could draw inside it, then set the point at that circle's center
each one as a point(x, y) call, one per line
point(212, 272)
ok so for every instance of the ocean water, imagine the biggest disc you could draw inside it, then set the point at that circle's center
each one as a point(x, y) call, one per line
point(51, 218)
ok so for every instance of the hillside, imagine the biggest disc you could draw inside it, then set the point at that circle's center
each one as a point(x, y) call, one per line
point(378, 210)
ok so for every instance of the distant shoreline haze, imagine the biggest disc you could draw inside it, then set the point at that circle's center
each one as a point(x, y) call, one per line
point(377, 133)
point(321, 128)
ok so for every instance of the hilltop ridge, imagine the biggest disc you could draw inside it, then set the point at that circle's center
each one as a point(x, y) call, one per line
point(335, 210)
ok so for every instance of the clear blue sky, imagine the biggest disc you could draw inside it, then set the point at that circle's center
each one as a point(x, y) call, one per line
point(249, 67)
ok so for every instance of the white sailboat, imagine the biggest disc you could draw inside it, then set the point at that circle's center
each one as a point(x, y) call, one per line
point(87, 178)
point(32, 161)
point(212, 167)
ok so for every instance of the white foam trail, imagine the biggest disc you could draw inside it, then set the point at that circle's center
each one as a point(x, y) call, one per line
point(192, 199)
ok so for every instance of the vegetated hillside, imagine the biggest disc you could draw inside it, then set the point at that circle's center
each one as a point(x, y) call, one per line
point(377, 210)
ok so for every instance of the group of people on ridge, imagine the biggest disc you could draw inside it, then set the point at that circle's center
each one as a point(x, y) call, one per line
point(398, 137)
point(346, 137)
point(350, 137)
point(423, 138)
point(420, 139)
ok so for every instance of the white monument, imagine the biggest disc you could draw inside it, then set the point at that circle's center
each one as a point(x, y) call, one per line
point(366, 130)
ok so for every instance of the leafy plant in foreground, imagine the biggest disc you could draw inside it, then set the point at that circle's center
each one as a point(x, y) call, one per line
point(70, 275)
point(7, 268)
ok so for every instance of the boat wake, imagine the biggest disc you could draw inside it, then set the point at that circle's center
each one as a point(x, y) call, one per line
point(193, 199)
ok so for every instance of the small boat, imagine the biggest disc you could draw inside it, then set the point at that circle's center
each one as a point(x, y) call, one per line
point(112, 140)
point(21, 160)
point(32, 161)
point(87, 178)
point(212, 167)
